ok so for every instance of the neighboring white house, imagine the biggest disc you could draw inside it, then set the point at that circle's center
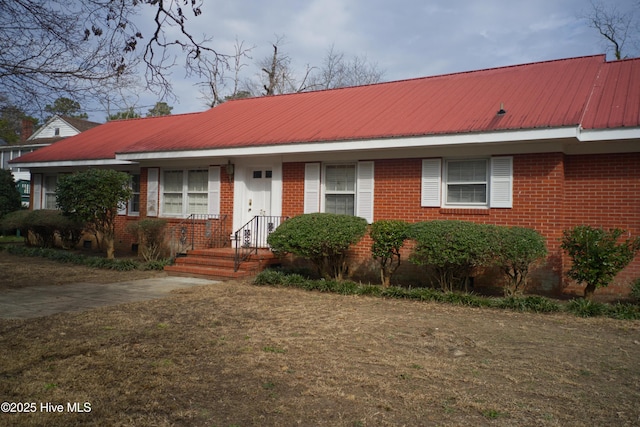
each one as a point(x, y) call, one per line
point(55, 129)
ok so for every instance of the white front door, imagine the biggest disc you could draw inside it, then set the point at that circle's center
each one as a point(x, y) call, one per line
point(259, 193)
point(258, 203)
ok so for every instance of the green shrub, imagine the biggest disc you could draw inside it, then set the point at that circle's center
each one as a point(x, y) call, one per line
point(322, 238)
point(451, 250)
point(388, 237)
point(10, 199)
point(151, 234)
point(586, 308)
point(157, 265)
point(516, 249)
point(532, 303)
point(269, 278)
point(15, 221)
point(597, 255)
point(46, 226)
point(635, 290)
point(624, 311)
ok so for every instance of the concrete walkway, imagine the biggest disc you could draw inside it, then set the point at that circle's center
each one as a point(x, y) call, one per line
point(37, 301)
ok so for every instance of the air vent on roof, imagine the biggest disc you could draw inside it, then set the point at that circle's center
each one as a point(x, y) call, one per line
point(502, 111)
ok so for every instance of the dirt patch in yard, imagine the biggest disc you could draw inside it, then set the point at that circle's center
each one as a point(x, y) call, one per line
point(19, 272)
point(234, 354)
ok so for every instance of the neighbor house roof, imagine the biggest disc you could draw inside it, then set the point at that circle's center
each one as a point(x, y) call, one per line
point(585, 92)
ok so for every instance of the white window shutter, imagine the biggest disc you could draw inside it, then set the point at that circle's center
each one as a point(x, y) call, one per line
point(311, 187)
point(37, 191)
point(364, 204)
point(501, 190)
point(214, 190)
point(152, 191)
point(431, 183)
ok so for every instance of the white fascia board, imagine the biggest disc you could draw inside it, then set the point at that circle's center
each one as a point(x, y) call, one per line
point(72, 163)
point(360, 145)
point(590, 135)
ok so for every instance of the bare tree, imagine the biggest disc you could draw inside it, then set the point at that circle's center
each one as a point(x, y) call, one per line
point(616, 26)
point(338, 71)
point(82, 48)
point(278, 75)
point(216, 81)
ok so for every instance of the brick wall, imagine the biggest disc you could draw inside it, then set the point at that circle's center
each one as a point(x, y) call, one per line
point(604, 191)
point(551, 192)
point(202, 231)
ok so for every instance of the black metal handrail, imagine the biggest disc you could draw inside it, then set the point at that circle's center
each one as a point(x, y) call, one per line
point(183, 235)
point(253, 236)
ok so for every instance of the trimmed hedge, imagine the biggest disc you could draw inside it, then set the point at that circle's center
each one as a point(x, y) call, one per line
point(44, 226)
point(452, 250)
point(322, 238)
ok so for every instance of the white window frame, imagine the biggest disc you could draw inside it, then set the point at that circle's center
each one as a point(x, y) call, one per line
point(315, 188)
point(499, 183)
point(48, 191)
point(185, 211)
point(326, 192)
point(446, 183)
point(130, 205)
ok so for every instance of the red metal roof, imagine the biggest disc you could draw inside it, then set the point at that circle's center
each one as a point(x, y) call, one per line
point(585, 91)
point(615, 102)
point(102, 142)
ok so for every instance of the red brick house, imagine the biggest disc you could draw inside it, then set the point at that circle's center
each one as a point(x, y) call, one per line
point(546, 145)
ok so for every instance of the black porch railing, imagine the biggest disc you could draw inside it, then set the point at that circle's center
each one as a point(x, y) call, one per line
point(208, 230)
point(253, 236)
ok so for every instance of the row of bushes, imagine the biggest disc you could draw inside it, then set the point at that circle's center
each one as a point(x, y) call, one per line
point(47, 228)
point(44, 227)
point(120, 264)
point(449, 250)
point(529, 303)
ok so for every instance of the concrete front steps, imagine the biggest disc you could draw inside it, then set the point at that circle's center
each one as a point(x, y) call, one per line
point(218, 264)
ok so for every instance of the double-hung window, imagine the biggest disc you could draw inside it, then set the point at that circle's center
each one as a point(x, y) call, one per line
point(185, 192)
point(340, 189)
point(467, 182)
point(134, 202)
point(50, 183)
point(345, 188)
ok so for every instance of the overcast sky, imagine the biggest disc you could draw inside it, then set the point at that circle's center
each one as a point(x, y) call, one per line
point(405, 38)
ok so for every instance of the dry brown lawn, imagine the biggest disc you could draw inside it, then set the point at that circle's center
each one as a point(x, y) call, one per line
point(234, 354)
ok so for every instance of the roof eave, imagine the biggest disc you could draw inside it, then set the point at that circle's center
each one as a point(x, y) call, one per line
point(592, 135)
point(73, 163)
point(359, 145)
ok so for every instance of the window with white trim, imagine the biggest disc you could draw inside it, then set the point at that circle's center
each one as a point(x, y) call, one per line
point(340, 189)
point(466, 182)
point(50, 184)
point(472, 183)
point(185, 192)
point(134, 202)
point(345, 188)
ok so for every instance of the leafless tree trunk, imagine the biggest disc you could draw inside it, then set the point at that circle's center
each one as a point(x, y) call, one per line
point(615, 26)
